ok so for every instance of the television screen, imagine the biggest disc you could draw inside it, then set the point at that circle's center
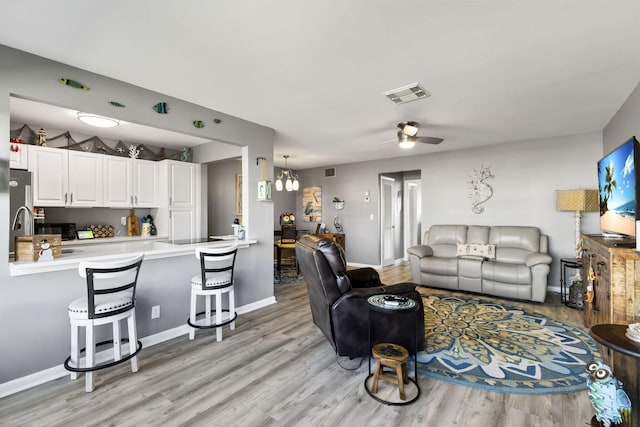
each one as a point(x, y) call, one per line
point(617, 189)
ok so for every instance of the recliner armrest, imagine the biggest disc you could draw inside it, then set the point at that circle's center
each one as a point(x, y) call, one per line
point(536, 258)
point(420, 251)
point(398, 288)
point(365, 277)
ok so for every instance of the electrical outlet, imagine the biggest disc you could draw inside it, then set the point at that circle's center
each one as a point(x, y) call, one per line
point(155, 311)
point(123, 220)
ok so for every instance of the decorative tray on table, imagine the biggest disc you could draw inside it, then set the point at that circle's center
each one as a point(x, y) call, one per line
point(391, 302)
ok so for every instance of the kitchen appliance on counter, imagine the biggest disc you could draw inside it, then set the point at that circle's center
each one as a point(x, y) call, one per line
point(66, 229)
point(20, 206)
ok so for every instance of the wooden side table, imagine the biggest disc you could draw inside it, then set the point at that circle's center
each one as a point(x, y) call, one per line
point(626, 354)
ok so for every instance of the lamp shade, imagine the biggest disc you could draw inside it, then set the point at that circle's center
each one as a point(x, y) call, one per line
point(581, 200)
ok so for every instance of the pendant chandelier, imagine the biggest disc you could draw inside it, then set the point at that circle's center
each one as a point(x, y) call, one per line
point(290, 180)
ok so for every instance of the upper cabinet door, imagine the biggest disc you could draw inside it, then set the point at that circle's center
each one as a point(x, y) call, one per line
point(85, 179)
point(50, 176)
point(146, 183)
point(182, 185)
point(118, 182)
point(18, 156)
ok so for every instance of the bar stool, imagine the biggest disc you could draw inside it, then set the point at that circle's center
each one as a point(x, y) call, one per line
point(215, 278)
point(111, 297)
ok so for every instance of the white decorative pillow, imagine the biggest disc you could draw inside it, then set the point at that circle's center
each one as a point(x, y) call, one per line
point(477, 249)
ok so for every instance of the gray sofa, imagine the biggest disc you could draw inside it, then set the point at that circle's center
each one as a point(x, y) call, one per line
point(505, 261)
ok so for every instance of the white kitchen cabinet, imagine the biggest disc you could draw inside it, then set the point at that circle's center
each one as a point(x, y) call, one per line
point(118, 182)
point(182, 184)
point(179, 213)
point(182, 224)
point(130, 182)
point(85, 179)
point(145, 184)
point(18, 156)
point(65, 178)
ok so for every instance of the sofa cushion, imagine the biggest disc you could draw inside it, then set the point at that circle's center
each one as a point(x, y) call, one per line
point(525, 238)
point(518, 274)
point(447, 235)
point(441, 266)
point(478, 234)
point(477, 250)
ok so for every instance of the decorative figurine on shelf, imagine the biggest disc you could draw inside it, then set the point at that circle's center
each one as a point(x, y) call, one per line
point(133, 224)
point(134, 153)
point(337, 225)
point(611, 403)
point(42, 138)
point(45, 253)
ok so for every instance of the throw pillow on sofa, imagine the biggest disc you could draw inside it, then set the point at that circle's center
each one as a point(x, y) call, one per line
point(477, 250)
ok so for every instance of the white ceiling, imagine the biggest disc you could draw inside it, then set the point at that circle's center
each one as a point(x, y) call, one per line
point(498, 71)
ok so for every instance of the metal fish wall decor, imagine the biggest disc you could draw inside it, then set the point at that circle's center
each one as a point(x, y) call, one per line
point(161, 108)
point(198, 124)
point(73, 84)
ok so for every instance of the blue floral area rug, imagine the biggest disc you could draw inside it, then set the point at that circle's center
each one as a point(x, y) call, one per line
point(502, 348)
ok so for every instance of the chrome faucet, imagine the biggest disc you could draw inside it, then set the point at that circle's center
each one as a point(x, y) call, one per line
point(17, 224)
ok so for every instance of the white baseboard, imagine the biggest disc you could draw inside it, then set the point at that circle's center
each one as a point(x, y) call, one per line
point(56, 372)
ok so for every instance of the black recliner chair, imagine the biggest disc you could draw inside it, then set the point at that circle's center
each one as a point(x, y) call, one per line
point(338, 300)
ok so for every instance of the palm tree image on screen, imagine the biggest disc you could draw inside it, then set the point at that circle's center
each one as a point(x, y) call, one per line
point(133, 224)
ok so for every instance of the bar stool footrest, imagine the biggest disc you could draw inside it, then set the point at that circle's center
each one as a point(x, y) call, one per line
point(68, 367)
point(213, 325)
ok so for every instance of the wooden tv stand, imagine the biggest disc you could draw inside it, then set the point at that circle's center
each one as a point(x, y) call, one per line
point(617, 283)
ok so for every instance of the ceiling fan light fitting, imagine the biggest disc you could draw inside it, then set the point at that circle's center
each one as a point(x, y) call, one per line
point(406, 144)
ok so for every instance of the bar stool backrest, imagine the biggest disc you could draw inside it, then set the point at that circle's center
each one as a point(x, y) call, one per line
point(216, 265)
point(111, 281)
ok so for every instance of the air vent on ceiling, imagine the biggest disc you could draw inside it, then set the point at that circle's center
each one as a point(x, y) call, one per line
point(330, 172)
point(407, 93)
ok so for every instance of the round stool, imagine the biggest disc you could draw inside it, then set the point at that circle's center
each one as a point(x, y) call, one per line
point(391, 356)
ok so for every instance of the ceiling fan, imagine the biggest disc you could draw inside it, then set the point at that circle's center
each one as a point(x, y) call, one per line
point(407, 135)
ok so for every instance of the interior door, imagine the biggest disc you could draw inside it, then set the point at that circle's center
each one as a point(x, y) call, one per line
point(387, 220)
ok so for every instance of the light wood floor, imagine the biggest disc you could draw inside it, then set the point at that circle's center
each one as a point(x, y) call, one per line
point(276, 368)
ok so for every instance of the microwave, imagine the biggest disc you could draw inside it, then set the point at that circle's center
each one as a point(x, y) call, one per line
point(66, 229)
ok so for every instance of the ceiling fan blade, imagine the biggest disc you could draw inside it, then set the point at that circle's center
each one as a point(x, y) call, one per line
point(427, 139)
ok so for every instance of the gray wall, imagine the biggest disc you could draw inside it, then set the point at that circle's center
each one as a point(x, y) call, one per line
point(527, 174)
point(624, 124)
point(221, 195)
point(35, 306)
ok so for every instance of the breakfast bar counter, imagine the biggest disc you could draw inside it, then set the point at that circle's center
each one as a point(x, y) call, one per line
point(74, 253)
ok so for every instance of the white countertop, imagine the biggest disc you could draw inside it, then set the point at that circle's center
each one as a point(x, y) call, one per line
point(100, 249)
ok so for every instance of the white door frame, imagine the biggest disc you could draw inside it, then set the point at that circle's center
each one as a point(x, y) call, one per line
point(387, 205)
point(412, 213)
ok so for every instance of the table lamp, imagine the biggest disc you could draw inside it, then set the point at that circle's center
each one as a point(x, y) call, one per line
point(578, 201)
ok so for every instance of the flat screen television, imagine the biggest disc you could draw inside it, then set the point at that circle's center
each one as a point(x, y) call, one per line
point(617, 190)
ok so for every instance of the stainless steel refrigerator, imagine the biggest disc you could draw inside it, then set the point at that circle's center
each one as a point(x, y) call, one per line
point(19, 196)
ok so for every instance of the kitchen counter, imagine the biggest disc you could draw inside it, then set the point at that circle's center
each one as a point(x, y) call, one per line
point(98, 250)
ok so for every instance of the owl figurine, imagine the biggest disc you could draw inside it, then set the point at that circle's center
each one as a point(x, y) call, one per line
point(611, 403)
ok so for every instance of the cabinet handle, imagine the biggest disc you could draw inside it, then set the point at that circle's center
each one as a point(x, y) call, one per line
point(131, 200)
point(65, 198)
point(170, 201)
point(71, 198)
point(136, 199)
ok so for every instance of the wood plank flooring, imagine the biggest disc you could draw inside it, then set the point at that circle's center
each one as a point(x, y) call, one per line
point(277, 369)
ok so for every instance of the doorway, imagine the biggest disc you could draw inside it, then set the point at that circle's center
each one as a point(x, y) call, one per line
point(400, 214)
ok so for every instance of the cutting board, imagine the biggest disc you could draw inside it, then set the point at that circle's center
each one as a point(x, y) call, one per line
point(133, 224)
